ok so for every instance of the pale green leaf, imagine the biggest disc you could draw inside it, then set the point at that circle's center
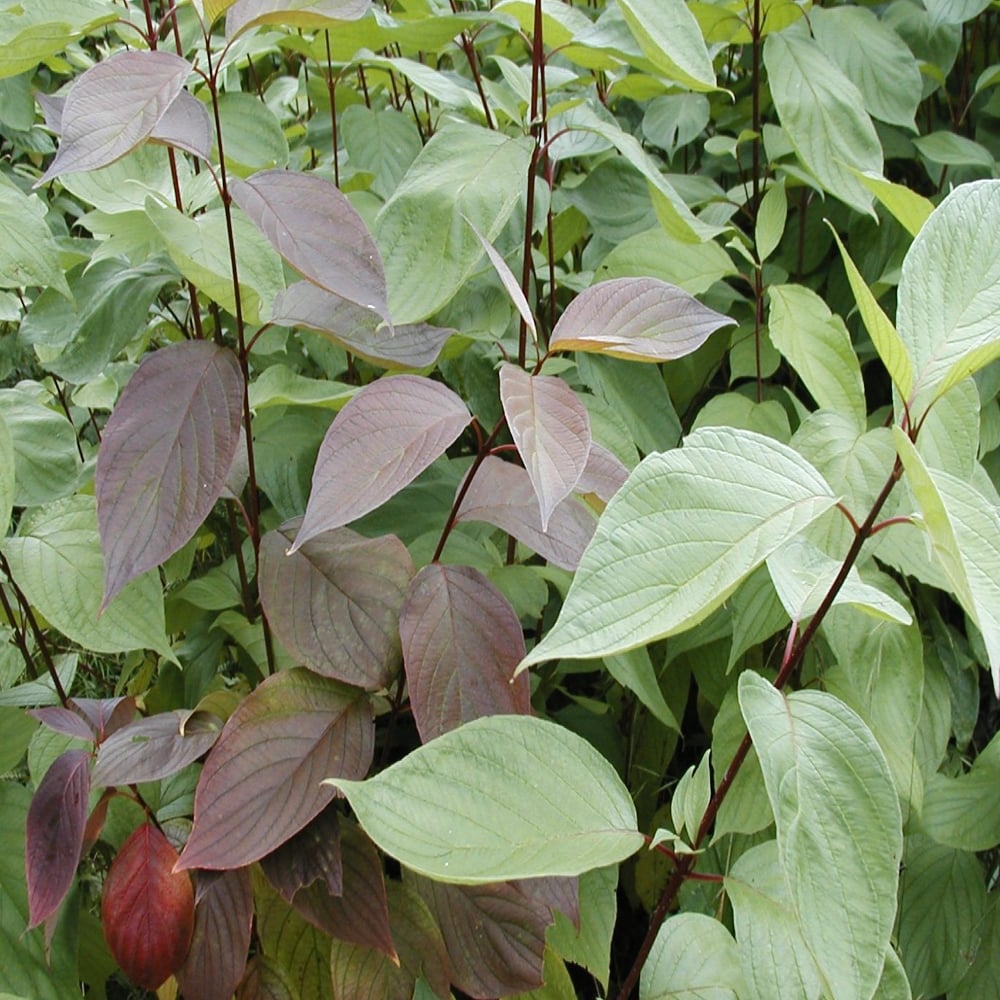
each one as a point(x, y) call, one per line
point(757, 614)
point(773, 954)
point(893, 985)
point(693, 958)
point(691, 796)
point(908, 207)
point(545, 803)
point(953, 150)
point(670, 37)
point(56, 560)
point(770, 224)
point(949, 434)
point(28, 252)
point(678, 538)
point(840, 862)
point(954, 11)
point(253, 138)
point(823, 114)
point(949, 293)
point(983, 979)
point(7, 482)
point(428, 249)
point(279, 385)
point(590, 946)
point(383, 142)
point(634, 670)
point(817, 345)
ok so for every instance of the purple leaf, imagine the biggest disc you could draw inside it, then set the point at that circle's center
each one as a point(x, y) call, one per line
point(495, 935)
point(360, 914)
point(318, 231)
point(461, 643)
point(65, 721)
point(379, 442)
point(262, 781)
point(558, 892)
point(57, 819)
point(186, 125)
point(112, 107)
point(501, 494)
point(642, 319)
point(106, 715)
point(508, 281)
point(551, 429)
point(292, 13)
point(154, 748)
point(223, 917)
point(356, 329)
point(604, 474)
point(165, 455)
point(312, 855)
point(52, 110)
point(334, 603)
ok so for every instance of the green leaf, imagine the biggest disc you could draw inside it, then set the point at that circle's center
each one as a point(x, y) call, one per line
point(56, 560)
point(840, 862)
point(8, 484)
point(382, 143)
point(671, 39)
point(634, 670)
point(953, 150)
point(672, 546)
point(770, 224)
point(547, 803)
point(692, 957)
point(590, 945)
point(983, 979)
point(949, 293)
point(28, 254)
point(823, 114)
point(253, 138)
point(817, 345)
point(909, 208)
point(428, 248)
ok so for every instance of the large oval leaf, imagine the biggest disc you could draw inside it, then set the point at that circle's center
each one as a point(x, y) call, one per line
point(379, 442)
point(318, 231)
point(643, 319)
point(670, 38)
point(113, 107)
point(335, 602)
point(545, 803)
point(165, 455)
point(461, 643)
point(261, 782)
point(678, 538)
point(841, 863)
point(551, 429)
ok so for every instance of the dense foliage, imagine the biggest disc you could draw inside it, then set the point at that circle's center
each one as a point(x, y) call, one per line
point(500, 499)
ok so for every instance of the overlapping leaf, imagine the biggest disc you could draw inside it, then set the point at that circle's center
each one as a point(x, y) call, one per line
point(261, 782)
point(678, 538)
point(29, 254)
point(551, 429)
point(317, 230)
point(671, 39)
point(165, 455)
point(380, 442)
point(312, 855)
point(643, 319)
point(547, 803)
point(335, 601)
point(246, 14)
point(461, 643)
point(112, 107)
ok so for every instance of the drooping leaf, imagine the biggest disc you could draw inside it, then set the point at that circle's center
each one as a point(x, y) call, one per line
point(261, 782)
point(165, 454)
point(154, 748)
point(527, 819)
point(246, 14)
point(461, 643)
point(841, 864)
point(494, 935)
point(223, 919)
point(642, 319)
point(501, 494)
point(509, 283)
point(54, 833)
point(674, 542)
point(147, 908)
point(29, 254)
point(317, 230)
point(186, 125)
point(671, 39)
point(949, 292)
point(823, 114)
point(56, 560)
point(335, 601)
point(551, 429)
point(634, 670)
point(42, 691)
point(63, 720)
point(380, 442)
point(312, 855)
point(603, 475)
point(113, 107)
point(105, 715)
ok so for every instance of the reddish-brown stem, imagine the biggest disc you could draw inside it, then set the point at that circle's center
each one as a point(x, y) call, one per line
point(19, 638)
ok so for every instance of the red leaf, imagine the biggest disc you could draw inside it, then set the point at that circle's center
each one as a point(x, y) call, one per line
point(312, 855)
point(153, 748)
point(501, 494)
point(64, 720)
point(165, 455)
point(57, 819)
point(379, 442)
point(106, 715)
point(356, 329)
point(461, 643)
point(147, 909)
point(262, 781)
point(112, 107)
point(223, 917)
point(643, 319)
point(318, 231)
point(551, 429)
point(334, 603)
